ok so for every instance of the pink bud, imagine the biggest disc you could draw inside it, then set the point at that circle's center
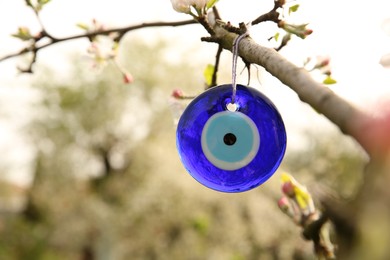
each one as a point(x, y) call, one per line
point(286, 207)
point(283, 203)
point(128, 78)
point(308, 32)
point(177, 93)
point(325, 63)
point(288, 189)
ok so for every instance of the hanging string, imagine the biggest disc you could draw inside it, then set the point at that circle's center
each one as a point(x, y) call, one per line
point(235, 59)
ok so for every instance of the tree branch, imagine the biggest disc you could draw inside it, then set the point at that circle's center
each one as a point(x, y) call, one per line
point(348, 118)
point(121, 31)
point(272, 15)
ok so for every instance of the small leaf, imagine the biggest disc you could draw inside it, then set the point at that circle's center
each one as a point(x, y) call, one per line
point(28, 3)
point(293, 9)
point(329, 80)
point(23, 34)
point(83, 26)
point(276, 36)
point(43, 2)
point(211, 3)
point(208, 74)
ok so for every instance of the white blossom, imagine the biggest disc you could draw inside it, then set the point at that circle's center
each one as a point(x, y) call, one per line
point(199, 4)
point(184, 6)
point(181, 6)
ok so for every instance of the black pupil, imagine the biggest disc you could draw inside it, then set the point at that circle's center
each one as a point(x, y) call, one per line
point(229, 139)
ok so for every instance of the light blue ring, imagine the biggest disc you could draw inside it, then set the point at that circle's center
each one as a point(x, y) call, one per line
point(230, 157)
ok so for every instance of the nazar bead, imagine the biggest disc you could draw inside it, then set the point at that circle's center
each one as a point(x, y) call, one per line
point(231, 147)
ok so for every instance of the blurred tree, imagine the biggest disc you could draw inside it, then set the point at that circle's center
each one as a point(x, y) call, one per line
point(325, 164)
point(91, 129)
point(108, 183)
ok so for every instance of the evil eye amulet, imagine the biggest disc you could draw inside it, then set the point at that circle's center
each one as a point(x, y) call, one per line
point(231, 147)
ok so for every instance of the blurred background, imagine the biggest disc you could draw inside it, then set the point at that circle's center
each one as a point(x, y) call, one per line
point(89, 168)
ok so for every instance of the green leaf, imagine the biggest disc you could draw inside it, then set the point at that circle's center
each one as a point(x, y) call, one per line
point(211, 3)
point(299, 30)
point(208, 74)
point(41, 4)
point(276, 36)
point(23, 34)
point(83, 26)
point(293, 9)
point(28, 3)
point(329, 81)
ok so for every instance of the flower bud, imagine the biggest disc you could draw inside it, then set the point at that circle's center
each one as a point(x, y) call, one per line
point(307, 32)
point(198, 4)
point(181, 6)
point(299, 30)
point(128, 78)
point(286, 207)
point(177, 93)
point(324, 63)
point(184, 6)
point(283, 203)
point(288, 189)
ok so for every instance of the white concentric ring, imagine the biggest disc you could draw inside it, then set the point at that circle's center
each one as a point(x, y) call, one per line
point(230, 126)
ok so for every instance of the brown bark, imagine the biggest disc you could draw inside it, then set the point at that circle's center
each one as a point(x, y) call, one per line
point(367, 216)
point(351, 120)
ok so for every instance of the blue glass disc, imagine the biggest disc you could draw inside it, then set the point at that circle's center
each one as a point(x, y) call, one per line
point(231, 151)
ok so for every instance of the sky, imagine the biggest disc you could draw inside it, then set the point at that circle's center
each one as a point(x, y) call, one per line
point(352, 33)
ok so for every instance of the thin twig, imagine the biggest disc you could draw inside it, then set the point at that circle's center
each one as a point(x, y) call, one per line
point(317, 230)
point(120, 31)
point(44, 32)
point(216, 13)
point(284, 42)
point(272, 16)
point(216, 67)
point(29, 68)
point(205, 23)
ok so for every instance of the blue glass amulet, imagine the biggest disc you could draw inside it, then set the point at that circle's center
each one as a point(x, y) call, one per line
point(231, 148)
